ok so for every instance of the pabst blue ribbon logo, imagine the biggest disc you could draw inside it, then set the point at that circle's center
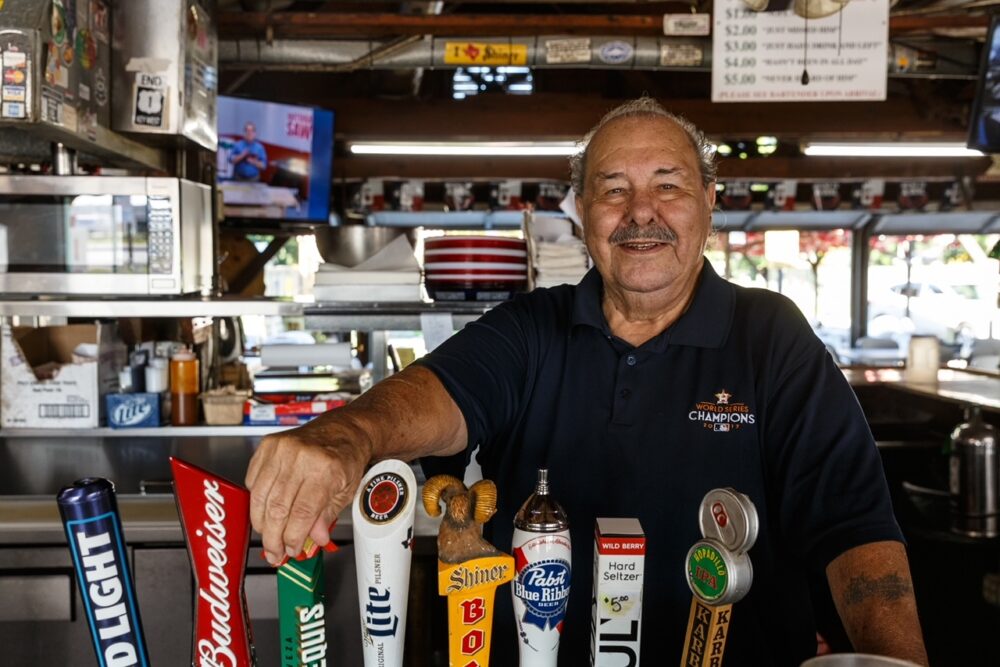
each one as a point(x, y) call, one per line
point(384, 497)
point(543, 586)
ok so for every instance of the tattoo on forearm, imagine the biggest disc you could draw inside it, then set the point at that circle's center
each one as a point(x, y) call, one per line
point(889, 588)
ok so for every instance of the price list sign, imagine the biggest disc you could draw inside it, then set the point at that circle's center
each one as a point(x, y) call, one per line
point(770, 56)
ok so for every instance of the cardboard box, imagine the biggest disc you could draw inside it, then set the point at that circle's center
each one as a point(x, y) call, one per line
point(137, 410)
point(616, 616)
point(43, 384)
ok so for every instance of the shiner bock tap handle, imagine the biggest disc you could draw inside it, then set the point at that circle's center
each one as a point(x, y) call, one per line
point(94, 533)
point(469, 568)
point(215, 517)
point(719, 573)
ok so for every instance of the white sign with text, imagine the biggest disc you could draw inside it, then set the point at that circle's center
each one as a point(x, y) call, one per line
point(770, 56)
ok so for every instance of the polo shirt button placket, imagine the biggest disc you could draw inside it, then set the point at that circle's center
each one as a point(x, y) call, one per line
point(630, 360)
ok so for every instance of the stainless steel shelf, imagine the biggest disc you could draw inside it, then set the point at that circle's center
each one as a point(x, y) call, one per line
point(152, 307)
point(156, 432)
point(402, 316)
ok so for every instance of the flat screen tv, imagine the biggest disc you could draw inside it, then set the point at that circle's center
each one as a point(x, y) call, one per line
point(984, 122)
point(274, 160)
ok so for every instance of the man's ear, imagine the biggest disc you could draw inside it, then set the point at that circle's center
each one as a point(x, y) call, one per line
point(710, 195)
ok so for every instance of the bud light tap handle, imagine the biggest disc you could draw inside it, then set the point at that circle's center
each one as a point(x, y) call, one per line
point(93, 528)
point(469, 567)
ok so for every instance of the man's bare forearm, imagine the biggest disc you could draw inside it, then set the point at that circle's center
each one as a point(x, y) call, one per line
point(873, 592)
point(405, 416)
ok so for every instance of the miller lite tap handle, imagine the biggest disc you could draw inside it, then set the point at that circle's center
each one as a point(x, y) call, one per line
point(469, 567)
point(215, 518)
point(719, 573)
point(382, 516)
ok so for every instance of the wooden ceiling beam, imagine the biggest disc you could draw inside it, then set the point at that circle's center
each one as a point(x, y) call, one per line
point(310, 25)
point(316, 25)
point(569, 116)
point(547, 168)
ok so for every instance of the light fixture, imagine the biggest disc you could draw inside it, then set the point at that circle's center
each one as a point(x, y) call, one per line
point(896, 149)
point(469, 148)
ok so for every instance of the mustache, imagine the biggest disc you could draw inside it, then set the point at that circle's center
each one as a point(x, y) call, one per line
point(646, 234)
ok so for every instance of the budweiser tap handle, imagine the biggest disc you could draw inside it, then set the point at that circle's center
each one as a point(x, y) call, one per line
point(382, 517)
point(719, 573)
point(94, 533)
point(469, 567)
point(215, 517)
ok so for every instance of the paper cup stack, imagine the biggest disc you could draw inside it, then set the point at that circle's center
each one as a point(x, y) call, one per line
point(475, 268)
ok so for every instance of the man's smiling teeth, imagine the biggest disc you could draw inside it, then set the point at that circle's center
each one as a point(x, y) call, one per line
point(642, 246)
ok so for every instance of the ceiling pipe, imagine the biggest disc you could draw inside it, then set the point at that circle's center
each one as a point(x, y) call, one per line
point(608, 52)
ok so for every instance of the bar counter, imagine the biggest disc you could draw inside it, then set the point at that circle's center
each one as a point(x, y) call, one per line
point(955, 386)
point(911, 423)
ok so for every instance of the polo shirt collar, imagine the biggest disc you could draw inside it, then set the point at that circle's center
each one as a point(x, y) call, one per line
point(705, 323)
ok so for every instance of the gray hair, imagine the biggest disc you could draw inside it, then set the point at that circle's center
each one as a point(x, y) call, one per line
point(638, 108)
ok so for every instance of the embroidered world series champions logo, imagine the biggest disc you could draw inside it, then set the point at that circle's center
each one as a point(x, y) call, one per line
point(723, 415)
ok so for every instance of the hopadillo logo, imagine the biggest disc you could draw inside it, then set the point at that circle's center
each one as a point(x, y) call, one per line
point(543, 586)
point(708, 572)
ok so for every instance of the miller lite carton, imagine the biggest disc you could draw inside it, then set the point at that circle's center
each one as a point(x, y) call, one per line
point(616, 607)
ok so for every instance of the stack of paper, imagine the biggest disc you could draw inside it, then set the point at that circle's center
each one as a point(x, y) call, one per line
point(391, 274)
point(563, 261)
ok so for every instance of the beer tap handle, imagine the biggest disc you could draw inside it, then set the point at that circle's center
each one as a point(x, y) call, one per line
point(469, 568)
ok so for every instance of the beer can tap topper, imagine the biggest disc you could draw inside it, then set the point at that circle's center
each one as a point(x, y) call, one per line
point(542, 559)
point(719, 573)
point(93, 528)
point(469, 567)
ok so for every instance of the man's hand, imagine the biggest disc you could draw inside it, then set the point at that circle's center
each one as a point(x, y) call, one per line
point(299, 482)
point(873, 593)
point(301, 479)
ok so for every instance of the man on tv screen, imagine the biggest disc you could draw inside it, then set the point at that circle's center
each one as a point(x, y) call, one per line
point(249, 157)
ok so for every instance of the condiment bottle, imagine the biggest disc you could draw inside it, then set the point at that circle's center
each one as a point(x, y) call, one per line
point(542, 557)
point(184, 388)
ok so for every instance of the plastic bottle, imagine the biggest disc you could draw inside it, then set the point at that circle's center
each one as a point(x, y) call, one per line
point(543, 555)
point(184, 388)
point(157, 375)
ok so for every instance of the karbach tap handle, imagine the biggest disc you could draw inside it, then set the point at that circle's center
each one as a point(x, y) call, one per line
point(719, 573)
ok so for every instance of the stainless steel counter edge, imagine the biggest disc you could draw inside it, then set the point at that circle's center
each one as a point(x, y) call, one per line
point(146, 520)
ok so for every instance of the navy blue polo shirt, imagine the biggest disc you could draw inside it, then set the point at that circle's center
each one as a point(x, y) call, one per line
point(635, 432)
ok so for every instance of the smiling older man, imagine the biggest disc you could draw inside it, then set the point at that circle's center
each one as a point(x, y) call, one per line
point(613, 385)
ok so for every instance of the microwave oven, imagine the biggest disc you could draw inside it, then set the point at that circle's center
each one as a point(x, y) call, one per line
point(105, 235)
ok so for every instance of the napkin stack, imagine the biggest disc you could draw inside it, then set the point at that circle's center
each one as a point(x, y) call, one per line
point(391, 274)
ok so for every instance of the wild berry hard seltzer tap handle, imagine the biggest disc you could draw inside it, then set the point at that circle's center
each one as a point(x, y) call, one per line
point(469, 567)
point(215, 517)
point(93, 528)
point(719, 573)
point(382, 516)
